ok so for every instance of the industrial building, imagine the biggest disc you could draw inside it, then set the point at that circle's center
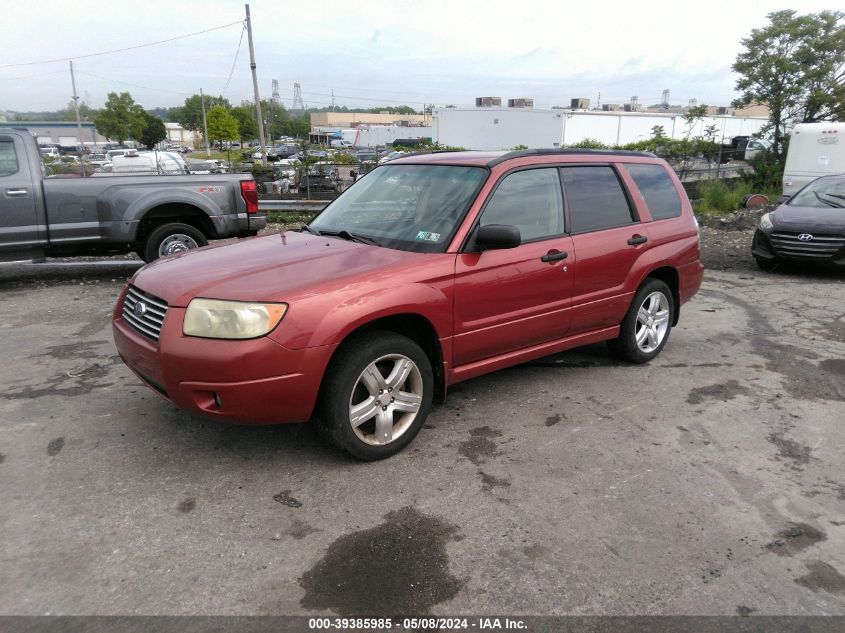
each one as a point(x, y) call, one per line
point(339, 120)
point(59, 132)
point(489, 127)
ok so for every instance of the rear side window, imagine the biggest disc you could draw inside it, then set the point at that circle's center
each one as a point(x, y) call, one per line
point(530, 200)
point(658, 191)
point(595, 199)
point(8, 157)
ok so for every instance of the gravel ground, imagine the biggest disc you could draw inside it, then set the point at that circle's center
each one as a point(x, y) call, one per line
point(709, 481)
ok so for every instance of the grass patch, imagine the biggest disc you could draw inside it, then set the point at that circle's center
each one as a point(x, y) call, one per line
point(716, 197)
point(290, 218)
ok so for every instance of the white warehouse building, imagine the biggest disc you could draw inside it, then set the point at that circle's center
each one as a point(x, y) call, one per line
point(503, 128)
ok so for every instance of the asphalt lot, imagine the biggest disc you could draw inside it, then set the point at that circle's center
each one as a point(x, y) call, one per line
point(707, 482)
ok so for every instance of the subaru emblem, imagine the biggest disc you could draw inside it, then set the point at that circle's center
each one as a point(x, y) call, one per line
point(140, 309)
point(805, 237)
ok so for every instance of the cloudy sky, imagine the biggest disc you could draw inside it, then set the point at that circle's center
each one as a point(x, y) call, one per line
point(379, 52)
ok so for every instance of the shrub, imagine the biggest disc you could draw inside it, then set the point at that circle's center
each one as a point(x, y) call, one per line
point(716, 196)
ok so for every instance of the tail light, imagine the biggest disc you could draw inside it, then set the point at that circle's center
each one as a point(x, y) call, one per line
point(249, 192)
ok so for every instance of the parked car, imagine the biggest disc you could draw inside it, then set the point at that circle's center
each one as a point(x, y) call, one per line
point(151, 215)
point(391, 156)
point(322, 176)
point(133, 161)
point(49, 150)
point(97, 160)
point(808, 227)
point(430, 271)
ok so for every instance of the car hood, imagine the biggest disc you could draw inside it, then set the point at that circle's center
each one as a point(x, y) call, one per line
point(278, 267)
point(809, 219)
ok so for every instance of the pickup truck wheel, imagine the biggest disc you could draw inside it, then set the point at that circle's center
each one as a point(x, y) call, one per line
point(646, 326)
point(376, 395)
point(171, 238)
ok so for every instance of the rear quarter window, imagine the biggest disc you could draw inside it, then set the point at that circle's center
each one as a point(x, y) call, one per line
point(657, 190)
point(595, 198)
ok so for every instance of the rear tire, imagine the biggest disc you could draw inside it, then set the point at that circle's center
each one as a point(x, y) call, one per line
point(647, 325)
point(376, 395)
point(170, 238)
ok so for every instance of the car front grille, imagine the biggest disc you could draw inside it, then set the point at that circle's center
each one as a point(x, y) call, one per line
point(819, 247)
point(146, 320)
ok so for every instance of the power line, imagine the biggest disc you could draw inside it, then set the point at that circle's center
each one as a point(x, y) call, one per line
point(120, 50)
point(52, 72)
point(234, 62)
point(126, 83)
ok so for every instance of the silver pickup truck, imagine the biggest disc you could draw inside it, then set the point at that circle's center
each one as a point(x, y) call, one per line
point(109, 214)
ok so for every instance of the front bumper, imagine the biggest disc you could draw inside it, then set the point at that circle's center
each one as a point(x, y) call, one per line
point(253, 381)
point(778, 245)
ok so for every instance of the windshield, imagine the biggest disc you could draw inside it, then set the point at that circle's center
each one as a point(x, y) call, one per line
point(821, 193)
point(407, 207)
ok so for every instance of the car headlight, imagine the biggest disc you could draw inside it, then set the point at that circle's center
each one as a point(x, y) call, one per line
point(766, 222)
point(211, 318)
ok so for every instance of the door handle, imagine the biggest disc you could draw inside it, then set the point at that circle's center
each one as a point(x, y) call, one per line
point(638, 239)
point(17, 192)
point(553, 256)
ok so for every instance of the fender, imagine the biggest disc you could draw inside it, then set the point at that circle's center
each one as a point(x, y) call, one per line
point(352, 311)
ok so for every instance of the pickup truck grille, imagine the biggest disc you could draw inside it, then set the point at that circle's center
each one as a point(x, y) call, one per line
point(820, 247)
point(148, 319)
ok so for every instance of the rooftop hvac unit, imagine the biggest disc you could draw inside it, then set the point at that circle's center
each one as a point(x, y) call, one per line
point(722, 110)
point(610, 107)
point(488, 102)
point(520, 103)
point(580, 104)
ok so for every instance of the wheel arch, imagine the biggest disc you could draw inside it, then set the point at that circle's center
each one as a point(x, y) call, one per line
point(185, 213)
point(669, 276)
point(414, 326)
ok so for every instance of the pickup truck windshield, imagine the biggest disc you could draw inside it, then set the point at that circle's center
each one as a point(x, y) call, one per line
point(406, 207)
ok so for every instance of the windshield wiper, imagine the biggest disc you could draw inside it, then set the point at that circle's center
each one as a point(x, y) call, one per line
point(310, 229)
point(827, 202)
point(352, 237)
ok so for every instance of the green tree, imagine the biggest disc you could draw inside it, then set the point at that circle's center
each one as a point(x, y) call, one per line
point(222, 126)
point(121, 118)
point(795, 65)
point(189, 115)
point(247, 127)
point(153, 131)
point(86, 112)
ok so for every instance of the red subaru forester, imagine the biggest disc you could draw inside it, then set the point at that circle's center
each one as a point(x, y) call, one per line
point(430, 270)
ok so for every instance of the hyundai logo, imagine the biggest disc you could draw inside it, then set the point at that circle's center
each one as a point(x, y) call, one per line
point(140, 308)
point(804, 237)
point(828, 140)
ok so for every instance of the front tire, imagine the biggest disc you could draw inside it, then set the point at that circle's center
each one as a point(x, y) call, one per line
point(646, 327)
point(171, 238)
point(376, 395)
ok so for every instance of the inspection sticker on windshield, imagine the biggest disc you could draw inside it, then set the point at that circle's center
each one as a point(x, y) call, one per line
point(428, 237)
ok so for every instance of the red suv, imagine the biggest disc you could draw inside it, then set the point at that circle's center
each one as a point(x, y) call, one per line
point(430, 270)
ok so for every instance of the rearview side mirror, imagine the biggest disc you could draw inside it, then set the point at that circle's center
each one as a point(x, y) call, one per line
point(497, 236)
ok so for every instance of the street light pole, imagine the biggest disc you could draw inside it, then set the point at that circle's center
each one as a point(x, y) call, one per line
point(255, 89)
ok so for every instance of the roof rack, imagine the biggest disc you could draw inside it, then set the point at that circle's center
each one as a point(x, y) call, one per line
point(567, 152)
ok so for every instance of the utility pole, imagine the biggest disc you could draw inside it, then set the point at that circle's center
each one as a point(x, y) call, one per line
point(204, 126)
point(78, 122)
point(258, 117)
point(76, 104)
